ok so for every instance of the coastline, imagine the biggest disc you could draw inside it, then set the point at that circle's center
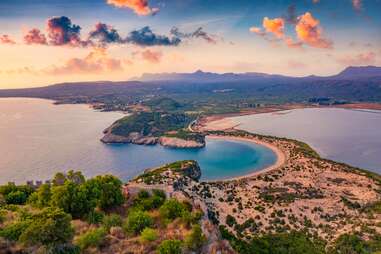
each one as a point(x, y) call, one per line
point(281, 157)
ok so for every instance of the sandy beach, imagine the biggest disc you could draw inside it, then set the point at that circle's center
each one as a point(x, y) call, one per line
point(281, 156)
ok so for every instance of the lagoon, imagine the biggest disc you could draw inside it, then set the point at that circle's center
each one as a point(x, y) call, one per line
point(38, 139)
point(350, 136)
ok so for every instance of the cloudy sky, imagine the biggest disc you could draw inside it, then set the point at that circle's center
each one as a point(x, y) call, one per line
point(51, 41)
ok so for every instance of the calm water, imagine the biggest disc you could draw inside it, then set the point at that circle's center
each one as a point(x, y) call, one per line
point(350, 136)
point(38, 139)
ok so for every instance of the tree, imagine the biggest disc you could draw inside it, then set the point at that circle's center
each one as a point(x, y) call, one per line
point(170, 247)
point(16, 198)
point(109, 190)
point(137, 221)
point(16, 195)
point(51, 226)
point(41, 198)
point(76, 199)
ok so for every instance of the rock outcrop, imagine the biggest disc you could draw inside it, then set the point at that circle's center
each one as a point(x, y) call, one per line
point(180, 143)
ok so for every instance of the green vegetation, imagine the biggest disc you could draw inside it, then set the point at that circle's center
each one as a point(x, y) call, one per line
point(16, 195)
point(170, 247)
point(153, 176)
point(163, 104)
point(93, 238)
point(173, 209)
point(151, 123)
point(195, 240)
point(112, 220)
point(354, 244)
point(88, 219)
point(148, 235)
point(187, 135)
point(137, 221)
point(281, 243)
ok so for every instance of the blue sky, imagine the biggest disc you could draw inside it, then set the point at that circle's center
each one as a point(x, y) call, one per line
point(337, 33)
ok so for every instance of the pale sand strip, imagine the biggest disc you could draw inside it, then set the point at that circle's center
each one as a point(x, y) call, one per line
point(281, 156)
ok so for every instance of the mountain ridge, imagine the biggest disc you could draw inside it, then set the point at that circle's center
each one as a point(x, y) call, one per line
point(200, 76)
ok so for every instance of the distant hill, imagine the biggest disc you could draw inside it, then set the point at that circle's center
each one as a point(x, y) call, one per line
point(200, 76)
point(211, 92)
point(360, 72)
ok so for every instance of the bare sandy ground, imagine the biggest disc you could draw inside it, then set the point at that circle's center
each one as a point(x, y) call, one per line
point(281, 156)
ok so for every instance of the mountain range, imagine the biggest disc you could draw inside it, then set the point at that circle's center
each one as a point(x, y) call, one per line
point(354, 84)
point(200, 76)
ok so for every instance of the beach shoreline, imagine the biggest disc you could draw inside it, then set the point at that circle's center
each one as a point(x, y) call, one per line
point(281, 157)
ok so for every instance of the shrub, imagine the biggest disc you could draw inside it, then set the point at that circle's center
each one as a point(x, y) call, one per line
point(13, 231)
point(172, 209)
point(73, 198)
point(148, 235)
point(195, 240)
point(349, 244)
point(112, 220)
point(145, 201)
point(95, 217)
point(170, 247)
point(66, 248)
point(136, 221)
point(230, 220)
point(93, 238)
point(41, 198)
point(16, 197)
point(109, 189)
point(51, 226)
point(15, 194)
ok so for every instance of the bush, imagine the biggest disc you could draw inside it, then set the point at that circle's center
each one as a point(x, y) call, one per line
point(112, 220)
point(16, 198)
point(145, 201)
point(196, 239)
point(67, 248)
point(136, 221)
point(51, 226)
point(76, 199)
point(95, 217)
point(230, 220)
point(148, 235)
point(172, 209)
point(350, 244)
point(41, 198)
point(170, 247)
point(93, 238)
point(109, 189)
point(13, 231)
point(15, 194)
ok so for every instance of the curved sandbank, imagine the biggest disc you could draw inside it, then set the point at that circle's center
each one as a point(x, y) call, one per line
point(280, 155)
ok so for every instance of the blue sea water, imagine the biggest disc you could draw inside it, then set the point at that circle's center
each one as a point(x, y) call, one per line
point(38, 139)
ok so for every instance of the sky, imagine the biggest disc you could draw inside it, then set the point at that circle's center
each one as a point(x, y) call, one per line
point(43, 42)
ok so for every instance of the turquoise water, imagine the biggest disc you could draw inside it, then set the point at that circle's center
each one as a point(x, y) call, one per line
point(350, 136)
point(38, 139)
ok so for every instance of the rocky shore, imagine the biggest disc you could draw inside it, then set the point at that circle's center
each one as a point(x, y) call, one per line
point(139, 139)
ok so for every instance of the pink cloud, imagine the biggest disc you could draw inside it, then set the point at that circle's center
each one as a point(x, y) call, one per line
point(96, 62)
point(152, 56)
point(5, 39)
point(140, 7)
point(275, 26)
point(35, 36)
point(309, 31)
